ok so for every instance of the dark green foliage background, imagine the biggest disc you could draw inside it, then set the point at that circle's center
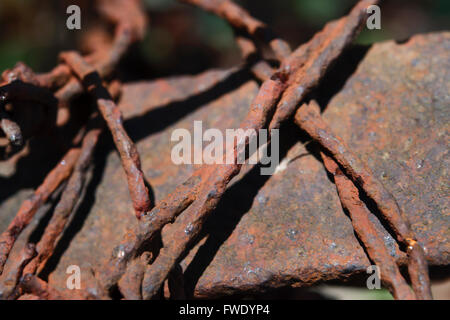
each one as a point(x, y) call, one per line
point(183, 39)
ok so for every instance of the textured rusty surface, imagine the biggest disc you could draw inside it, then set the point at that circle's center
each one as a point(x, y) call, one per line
point(365, 229)
point(404, 119)
point(399, 128)
point(309, 119)
point(307, 65)
point(21, 84)
point(113, 118)
point(209, 191)
point(65, 206)
point(30, 206)
point(287, 228)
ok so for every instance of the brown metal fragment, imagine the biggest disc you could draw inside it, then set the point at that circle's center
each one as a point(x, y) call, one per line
point(169, 208)
point(56, 78)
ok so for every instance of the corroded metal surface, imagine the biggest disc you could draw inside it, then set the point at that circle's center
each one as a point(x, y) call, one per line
point(364, 228)
point(404, 119)
point(392, 113)
point(288, 228)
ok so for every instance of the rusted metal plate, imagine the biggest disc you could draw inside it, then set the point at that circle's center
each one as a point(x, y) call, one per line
point(397, 118)
point(288, 228)
point(393, 113)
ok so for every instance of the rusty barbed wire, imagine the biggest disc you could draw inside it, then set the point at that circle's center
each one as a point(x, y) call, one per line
point(138, 273)
point(315, 68)
point(31, 284)
point(65, 206)
point(308, 118)
point(13, 275)
point(23, 83)
point(239, 18)
point(130, 283)
point(194, 195)
point(30, 206)
point(113, 117)
point(372, 240)
point(213, 187)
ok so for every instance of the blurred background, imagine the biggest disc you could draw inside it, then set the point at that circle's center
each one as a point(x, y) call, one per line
point(186, 40)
